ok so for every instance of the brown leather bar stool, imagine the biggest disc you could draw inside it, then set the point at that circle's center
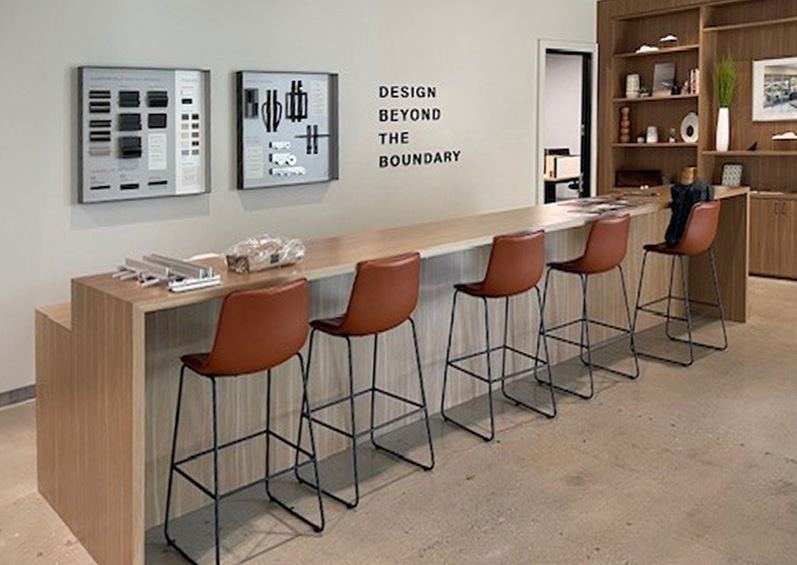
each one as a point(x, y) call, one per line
point(698, 238)
point(257, 331)
point(515, 267)
point(383, 297)
point(606, 248)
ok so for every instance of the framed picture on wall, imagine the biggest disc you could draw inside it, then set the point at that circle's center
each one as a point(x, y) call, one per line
point(143, 133)
point(732, 174)
point(775, 90)
point(287, 128)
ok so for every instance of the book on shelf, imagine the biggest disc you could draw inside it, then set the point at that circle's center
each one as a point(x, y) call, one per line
point(694, 81)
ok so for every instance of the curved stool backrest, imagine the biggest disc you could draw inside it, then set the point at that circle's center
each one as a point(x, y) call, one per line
point(260, 329)
point(607, 244)
point(516, 264)
point(701, 228)
point(384, 294)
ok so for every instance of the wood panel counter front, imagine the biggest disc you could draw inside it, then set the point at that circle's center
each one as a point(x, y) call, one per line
point(107, 364)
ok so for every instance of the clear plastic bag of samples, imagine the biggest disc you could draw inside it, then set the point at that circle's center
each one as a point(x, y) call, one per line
point(263, 252)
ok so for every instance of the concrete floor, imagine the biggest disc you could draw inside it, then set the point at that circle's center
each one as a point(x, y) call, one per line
point(686, 466)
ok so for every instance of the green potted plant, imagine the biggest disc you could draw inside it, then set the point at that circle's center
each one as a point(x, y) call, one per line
point(724, 84)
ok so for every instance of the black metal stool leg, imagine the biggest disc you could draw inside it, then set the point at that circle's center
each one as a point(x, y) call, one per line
point(489, 368)
point(303, 414)
point(718, 294)
point(639, 290)
point(631, 333)
point(688, 308)
point(311, 433)
point(448, 357)
point(585, 297)
point(353, 429)
point(670, 296)
point(542, 337)
point(537, 362)
point(352, 435)
point(544, 301)
point(488, 380)
point(584, 343)
point(268, 436)
point(374, 389)
point(169, 540)
point(216, 498)
point(317, 527)
point(503, 349)
point(423, 396)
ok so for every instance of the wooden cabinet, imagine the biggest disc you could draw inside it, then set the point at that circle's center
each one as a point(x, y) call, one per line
point(773, 236)
point(789, 219)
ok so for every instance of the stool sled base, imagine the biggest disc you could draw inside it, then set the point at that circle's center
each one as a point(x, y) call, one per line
point(586, 348)
point(214, 494)
point(353, 435)
point(687, 301)
point(489, 380)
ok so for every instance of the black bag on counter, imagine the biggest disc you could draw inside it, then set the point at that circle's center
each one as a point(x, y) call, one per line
point(684, 197)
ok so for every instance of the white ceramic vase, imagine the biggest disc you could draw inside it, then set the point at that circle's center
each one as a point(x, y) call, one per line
point(724, 129)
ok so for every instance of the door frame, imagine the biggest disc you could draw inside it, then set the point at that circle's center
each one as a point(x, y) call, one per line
point(579, 48)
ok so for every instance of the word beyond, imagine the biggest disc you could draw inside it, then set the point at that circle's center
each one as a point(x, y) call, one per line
point(410, 114)
point(416, 159)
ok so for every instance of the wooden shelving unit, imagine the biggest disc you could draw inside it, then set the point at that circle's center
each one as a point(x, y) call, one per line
point(747, 30)
point(621, 38)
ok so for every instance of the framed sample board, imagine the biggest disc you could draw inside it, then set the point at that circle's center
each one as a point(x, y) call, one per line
point(287, 128)
point(144, 133)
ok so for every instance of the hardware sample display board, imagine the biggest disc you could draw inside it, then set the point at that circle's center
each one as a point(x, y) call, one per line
point(144, 133)
point(287, 128)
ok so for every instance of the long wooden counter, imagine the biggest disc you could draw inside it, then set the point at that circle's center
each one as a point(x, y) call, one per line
point(107, 363)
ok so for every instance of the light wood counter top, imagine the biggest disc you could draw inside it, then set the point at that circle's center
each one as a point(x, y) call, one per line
point(339, 255)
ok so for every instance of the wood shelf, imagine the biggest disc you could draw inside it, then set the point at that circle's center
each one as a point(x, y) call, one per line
point(660, 12)
point(768, 153)
point(655, 145)
point(656, 99)
point(668, 51)
point(749, 25)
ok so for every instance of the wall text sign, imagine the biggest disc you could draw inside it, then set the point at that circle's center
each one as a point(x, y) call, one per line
point(422, 110)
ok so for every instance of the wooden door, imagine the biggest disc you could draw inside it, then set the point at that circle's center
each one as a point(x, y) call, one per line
point(764, 221)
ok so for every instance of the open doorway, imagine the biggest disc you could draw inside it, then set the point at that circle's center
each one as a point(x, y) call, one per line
point(566, 121)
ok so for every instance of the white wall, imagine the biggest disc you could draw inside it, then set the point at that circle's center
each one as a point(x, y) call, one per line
point(481, 55)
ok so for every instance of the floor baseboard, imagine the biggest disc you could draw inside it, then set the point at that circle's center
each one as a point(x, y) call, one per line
point(17, 395)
